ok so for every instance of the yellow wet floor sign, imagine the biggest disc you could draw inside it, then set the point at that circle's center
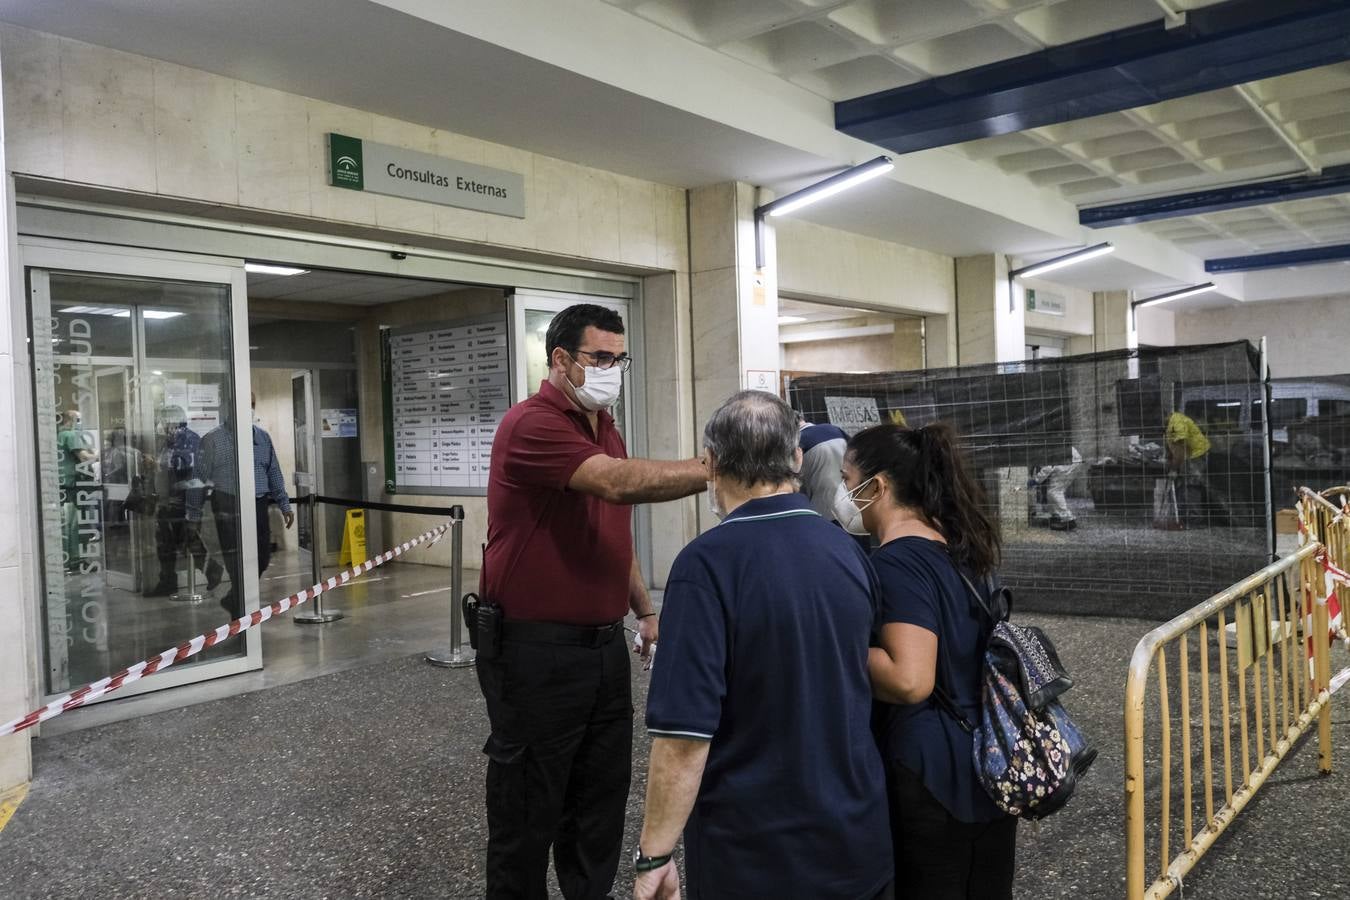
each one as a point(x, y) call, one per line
point(353, 538)
point(9, 802)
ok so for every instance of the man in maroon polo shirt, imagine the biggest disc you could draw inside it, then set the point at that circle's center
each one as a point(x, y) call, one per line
point(560, 563)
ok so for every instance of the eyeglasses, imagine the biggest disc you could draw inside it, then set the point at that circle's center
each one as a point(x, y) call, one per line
point(605, 360)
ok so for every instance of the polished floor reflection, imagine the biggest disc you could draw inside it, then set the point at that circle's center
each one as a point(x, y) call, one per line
point(392, 611)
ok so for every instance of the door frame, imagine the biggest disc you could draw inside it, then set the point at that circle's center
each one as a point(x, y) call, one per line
point(125, 580)
point(54, 255)
point(634, 387)
point(315, 466)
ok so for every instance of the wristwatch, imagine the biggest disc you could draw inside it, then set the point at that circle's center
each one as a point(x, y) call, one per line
point(648, 863)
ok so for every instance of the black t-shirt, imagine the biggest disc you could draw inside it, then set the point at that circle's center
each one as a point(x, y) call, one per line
point(764, 637)
point(920, 585)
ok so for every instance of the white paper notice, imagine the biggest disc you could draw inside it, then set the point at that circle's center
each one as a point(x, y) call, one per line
point(853, 414)
point(176, 392)
point(203, 395)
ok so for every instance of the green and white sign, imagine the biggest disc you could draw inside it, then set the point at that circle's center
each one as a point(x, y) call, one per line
point(1044, 302)
point(361, 165)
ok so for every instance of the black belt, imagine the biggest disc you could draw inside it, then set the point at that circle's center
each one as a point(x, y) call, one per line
point(555, 633)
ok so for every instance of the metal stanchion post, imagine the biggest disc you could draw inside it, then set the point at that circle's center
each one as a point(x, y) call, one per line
point(316, 615)
point(191, 595)
point(456, 657)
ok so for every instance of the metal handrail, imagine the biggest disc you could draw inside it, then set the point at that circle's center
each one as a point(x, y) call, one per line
point(1266, 601)
point(1321, 499)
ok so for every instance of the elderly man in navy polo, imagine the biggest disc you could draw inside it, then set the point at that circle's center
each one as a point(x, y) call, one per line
point(560, 564)
point(760, 704)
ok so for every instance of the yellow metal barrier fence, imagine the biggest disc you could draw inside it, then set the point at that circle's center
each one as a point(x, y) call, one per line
point(1244, 654)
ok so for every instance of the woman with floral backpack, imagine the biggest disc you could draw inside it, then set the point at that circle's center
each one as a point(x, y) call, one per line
point(921, 503)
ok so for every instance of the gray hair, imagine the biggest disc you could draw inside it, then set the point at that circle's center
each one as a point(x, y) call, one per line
point(754, 437)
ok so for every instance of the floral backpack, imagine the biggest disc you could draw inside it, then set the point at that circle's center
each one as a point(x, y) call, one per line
point(1028, 753)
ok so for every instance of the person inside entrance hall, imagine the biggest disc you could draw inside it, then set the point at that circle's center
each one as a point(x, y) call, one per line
point(219, 472)
point(560, 564)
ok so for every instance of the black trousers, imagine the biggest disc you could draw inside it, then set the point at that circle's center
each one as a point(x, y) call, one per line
point(171, 535)
point(223, 508)
point(559, 765)
point(938, 857)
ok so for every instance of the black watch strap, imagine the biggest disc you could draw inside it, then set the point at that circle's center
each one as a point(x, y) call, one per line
point(643, 863)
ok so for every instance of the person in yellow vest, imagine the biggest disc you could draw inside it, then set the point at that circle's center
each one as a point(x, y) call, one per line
point(1188, 459)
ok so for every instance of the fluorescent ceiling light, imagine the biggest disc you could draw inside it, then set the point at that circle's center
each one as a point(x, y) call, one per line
point(829, 187)
point(1177, 294)
point(1234, 403)
point(264, 269)
point(118, 313)
point(850, 177)
point(790, 320)
point(96, 311)
point(1067, 259)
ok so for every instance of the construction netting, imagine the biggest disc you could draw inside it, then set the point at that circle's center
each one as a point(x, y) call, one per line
point(1130, 483)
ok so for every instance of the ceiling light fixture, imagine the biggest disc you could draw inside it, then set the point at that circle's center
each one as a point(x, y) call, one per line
point(850, 177)
point(1176, 295)
point(265, 269)
point(1068, 259)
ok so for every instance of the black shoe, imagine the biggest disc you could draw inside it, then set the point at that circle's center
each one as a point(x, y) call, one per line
point(163, 589)
point(1063, 524)
point(227, 603)
point(214, 572)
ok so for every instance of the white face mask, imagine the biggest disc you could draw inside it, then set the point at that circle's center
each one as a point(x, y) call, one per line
point(713, 506)
point(847, 514)
point(853, 497)
point(601, 388)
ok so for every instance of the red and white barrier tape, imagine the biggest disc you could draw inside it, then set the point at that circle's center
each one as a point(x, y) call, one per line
point(202, 641)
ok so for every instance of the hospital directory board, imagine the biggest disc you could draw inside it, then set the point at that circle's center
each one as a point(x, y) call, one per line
point(446, 388)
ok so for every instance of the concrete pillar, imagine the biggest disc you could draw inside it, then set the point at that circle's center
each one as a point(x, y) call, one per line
point(988, 327)
point(670, 412)
point(734, 307)
point(907, 344)
point(18, 671)
point(991, 327)
point(1113, 325)
point(939, 341)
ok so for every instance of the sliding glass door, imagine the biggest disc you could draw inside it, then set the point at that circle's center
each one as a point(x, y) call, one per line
point(136, 370)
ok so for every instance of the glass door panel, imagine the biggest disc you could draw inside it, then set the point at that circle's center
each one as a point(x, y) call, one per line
point(138, 464)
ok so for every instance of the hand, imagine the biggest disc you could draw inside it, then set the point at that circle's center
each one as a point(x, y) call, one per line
point(289, 517)
point(658, 884)
point(644, 643)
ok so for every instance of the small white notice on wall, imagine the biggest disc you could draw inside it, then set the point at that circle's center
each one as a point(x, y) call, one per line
point(203, 394)
point(761, 380)
point(853, 414)
point(176, 392)
point(338, 423)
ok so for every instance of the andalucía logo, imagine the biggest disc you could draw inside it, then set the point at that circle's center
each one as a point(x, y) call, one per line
point(344, 162)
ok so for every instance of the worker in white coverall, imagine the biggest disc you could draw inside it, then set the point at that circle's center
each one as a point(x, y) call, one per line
point(1055, 510)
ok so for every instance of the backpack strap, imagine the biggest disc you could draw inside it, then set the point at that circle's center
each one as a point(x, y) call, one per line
point(941, 696)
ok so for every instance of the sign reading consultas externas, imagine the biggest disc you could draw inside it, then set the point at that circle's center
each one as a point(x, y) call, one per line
point(381, 169)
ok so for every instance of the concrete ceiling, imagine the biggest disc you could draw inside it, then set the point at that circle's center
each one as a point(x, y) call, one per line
point(691, 92)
